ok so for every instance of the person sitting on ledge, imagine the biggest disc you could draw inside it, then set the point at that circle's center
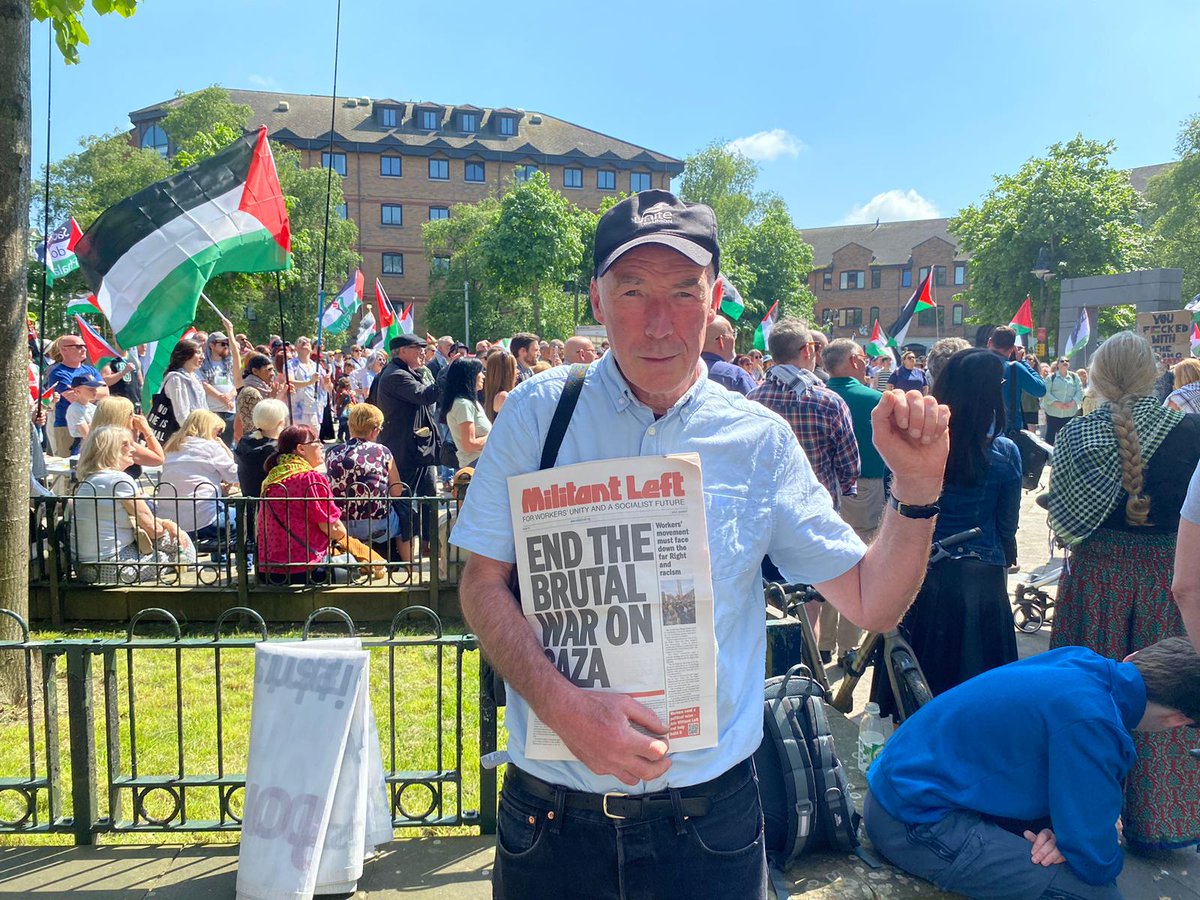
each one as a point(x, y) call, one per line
point(1010, 785)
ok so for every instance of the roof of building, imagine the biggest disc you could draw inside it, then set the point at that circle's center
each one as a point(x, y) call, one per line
point(1141, 176)
point(891, 242)
point(303, 120)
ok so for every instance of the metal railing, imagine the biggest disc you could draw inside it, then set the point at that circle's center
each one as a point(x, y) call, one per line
point(243, 544)
point(157, 726)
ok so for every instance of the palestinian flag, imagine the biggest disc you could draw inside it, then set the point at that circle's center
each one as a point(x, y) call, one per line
point(406, 319)
point(148, 257)
point(1195, 339)
point(367, 332)
point(763, 332)
point(1080, 336)
point(84, 304)
point(1022, 322)
point(155, 360)
point(388, 325)
point(337, 315)
point(57, 252)
point(730, 300)
point(99, 351)
point(878, 344)
point(922, 298)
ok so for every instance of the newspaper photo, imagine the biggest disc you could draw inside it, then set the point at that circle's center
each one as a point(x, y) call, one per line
point(613, 563)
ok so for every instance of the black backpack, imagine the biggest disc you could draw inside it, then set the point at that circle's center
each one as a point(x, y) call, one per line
point(805, 796)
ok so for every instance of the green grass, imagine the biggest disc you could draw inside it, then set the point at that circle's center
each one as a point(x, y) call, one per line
point(415, 717)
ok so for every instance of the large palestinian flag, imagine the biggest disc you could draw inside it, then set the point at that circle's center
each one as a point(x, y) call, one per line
point(921, 299)
point(147, 258)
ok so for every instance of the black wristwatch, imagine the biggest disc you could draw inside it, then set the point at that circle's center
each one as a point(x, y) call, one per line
point(913, 512)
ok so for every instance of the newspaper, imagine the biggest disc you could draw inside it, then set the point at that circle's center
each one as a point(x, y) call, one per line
point(615, 580)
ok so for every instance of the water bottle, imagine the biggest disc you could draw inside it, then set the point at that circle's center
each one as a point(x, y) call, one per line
point(870, 737)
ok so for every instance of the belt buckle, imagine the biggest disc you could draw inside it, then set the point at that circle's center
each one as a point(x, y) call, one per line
point(604, 804)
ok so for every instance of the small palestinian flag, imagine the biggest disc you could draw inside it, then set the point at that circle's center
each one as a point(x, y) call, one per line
point(57, 253)
point(763, 333)
point(731, 301)
point(99, 351)
point(367, 332)
point(1022, 322)
point(84, 304)
point(337, 316)
point(148, 257)
point(878, 344)
point(924, 294)
point(922, 298)
point(406, 319)
point(1078, 338)
point(388, 326)
point(1196, 339)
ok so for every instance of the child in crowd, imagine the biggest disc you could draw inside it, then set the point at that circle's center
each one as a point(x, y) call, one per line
point(85, 389)
point(343, 398)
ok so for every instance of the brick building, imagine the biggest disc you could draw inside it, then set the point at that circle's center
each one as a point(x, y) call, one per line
point(866, 272)
point(406, 163)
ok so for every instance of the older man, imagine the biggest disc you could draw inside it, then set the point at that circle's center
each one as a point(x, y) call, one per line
point(579, 349)
point(690, 821)
point(717, 353)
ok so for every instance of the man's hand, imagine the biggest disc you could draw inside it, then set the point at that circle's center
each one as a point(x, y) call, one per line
point(598, 729)
point(1045, 849)
point(911, 434)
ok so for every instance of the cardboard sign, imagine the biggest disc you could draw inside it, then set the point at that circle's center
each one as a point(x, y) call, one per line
point(1169, 332)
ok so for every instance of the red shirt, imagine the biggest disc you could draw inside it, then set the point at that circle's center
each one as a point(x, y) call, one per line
point(289, 524)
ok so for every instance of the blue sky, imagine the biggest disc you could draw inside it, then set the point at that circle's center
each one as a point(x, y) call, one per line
point(855, 110)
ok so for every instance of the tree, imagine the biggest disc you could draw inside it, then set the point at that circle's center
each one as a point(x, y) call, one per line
point(203, 122)
point(1174, 214)
point(1070, 202)
point(15, 166)
point(762, 252)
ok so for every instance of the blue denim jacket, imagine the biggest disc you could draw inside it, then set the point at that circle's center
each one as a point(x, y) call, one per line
point(993, 505)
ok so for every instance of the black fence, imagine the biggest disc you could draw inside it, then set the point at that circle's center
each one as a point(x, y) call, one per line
point(149, 732)
point(243, 545)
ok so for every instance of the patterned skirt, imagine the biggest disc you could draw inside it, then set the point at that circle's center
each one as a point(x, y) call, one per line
point(1115, 599)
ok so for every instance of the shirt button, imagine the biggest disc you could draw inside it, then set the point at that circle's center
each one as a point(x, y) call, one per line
point(652, 430)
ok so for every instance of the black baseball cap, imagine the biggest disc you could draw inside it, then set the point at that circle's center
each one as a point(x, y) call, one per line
point(657, 217)
point(406, 340)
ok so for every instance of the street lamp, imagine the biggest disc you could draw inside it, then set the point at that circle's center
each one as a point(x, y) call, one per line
point(1042, 270)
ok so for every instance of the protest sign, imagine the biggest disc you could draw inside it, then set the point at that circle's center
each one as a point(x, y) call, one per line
point(1168, 332)
point(615, 580)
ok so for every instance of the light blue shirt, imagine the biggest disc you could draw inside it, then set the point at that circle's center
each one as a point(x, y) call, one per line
point(1191, 505)
point(760, 497)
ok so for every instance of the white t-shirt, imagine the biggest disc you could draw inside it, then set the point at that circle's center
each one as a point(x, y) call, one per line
point(79, 414)
point(221, 378)
point(101, 526)
point(461, 411)
point(1191, 504)
point(191, 482)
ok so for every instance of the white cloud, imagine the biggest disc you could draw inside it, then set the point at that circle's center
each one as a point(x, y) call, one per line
point(767, 145)
point(261, 81)
point(892, 206)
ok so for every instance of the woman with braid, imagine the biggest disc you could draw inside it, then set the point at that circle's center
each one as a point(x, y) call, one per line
point(1118, 482)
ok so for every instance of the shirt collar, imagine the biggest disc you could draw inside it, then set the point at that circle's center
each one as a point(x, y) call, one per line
point(622, 396)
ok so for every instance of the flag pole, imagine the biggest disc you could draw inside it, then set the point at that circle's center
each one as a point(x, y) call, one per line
point(41, 329)
point(220, 315)
point(283, 337)
point(337, 34)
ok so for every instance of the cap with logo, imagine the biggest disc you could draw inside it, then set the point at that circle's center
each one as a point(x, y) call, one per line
point(406, 340)
point(657, 217)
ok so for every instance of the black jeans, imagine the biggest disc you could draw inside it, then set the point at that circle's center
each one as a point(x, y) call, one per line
point(546, 852)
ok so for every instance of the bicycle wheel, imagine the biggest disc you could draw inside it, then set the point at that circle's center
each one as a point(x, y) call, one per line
point(1028, 618)
point(911, 690)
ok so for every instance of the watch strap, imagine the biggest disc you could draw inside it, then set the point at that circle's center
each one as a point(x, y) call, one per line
point(909, 511)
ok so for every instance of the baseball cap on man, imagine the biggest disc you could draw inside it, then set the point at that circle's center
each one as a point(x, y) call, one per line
point(406, 340)
point(657, 217)
point(86, 380)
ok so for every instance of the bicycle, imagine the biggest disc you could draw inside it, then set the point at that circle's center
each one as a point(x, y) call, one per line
point(1033, 602)
point(907, 682)
point(789, 599)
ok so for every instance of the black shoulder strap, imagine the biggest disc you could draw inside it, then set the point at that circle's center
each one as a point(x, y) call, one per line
point(562, 415)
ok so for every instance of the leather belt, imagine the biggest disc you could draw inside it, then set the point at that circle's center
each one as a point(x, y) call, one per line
point(694, 800)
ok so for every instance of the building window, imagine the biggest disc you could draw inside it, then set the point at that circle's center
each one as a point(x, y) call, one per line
point(508, 125)
point(390, 167)
point(957, 317)
point(438, 212)
point(876, 278)
point(428, 119)
point(439, 169)
point(441, 265)
point(474, 173)
point(606, 180)
point(393, 264)
point(154, 138)
point(925, 318)
point(939, 276)
point(827, 316)
point(639, 181)
point(573, 178)
point(853, 280)
point(924, 272)
point(850, 317)
point(960, 273)
point(826, 281)
point(391, 214)
point(525, 172)
point(339, 162)
point(387, 116)
point(342, 211)
point(468, 121)
point(874, 313)
point(906, 278)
